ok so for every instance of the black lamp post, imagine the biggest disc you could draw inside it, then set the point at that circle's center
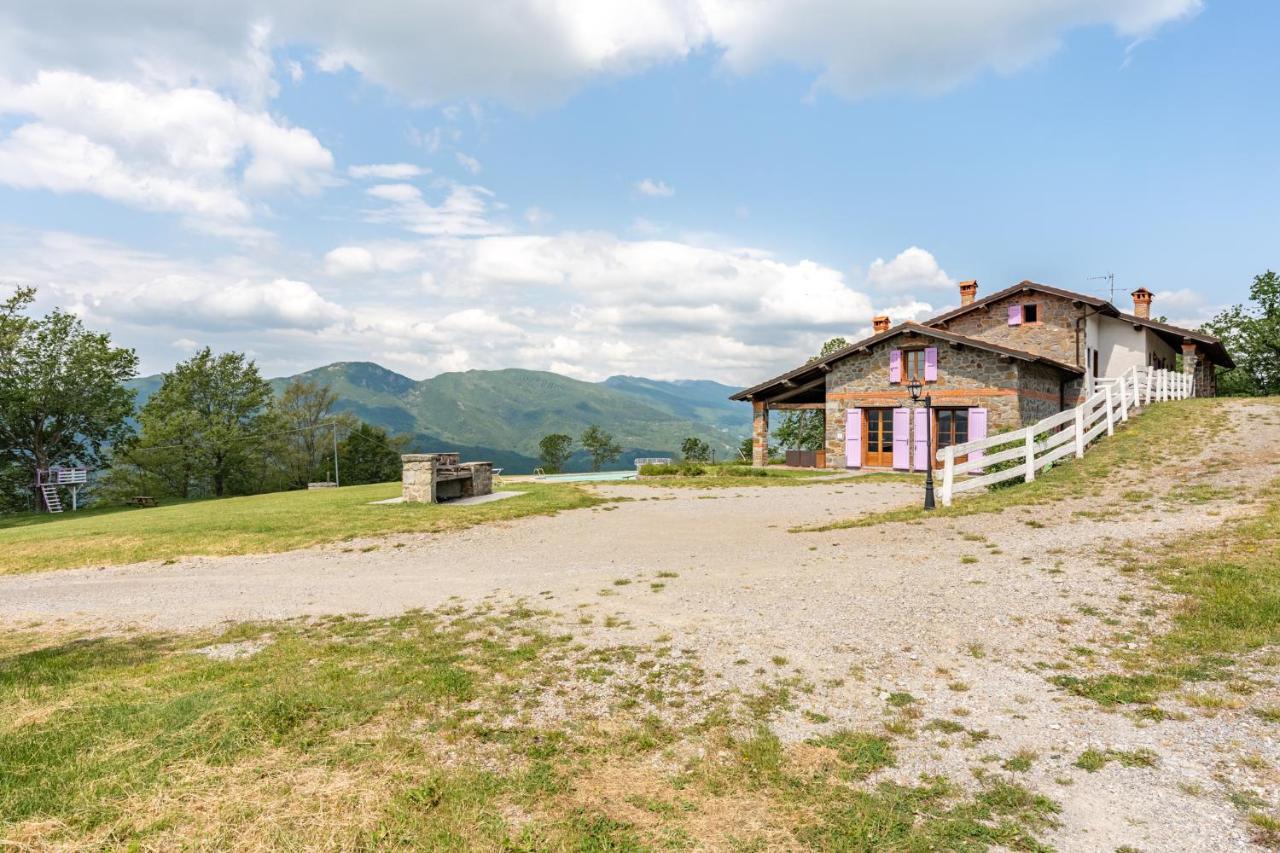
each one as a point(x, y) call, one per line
point(914, 387)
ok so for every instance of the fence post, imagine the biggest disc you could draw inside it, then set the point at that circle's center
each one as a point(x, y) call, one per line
point(1111, 414)
point(1150, 378)
point(1031, 457)
point(1080, 431)
point(1124, 401)
point(948, 473)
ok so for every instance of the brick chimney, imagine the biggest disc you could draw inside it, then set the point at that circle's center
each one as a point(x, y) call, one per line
point(880, 324)
point(1142, 303)
point(968, 292)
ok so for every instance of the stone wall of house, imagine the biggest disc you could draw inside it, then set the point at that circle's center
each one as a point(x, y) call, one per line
point(967, 377)
point(1053, 335)
point(1040, 392)
point(1200, 368)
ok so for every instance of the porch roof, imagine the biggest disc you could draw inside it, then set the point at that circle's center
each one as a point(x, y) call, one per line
point(1175, 335)
point(809, 380)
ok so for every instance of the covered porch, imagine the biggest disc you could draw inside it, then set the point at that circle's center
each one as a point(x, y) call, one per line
point(804, 389)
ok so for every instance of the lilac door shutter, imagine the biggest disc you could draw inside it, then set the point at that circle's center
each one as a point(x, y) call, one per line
point(920, 458)
point(853, 438)
point(1015, 315)
point(977, 429)
point(895, 366)
point(901, 420)
point(931, 364)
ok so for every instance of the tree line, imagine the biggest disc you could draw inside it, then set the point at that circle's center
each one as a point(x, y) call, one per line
point(213, 427)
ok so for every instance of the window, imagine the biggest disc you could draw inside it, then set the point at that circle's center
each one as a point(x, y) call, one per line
point(1031, 313)
point(913, 365)
point(953, 427)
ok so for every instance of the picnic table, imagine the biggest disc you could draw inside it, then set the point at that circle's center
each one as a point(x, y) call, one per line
point(142, 500)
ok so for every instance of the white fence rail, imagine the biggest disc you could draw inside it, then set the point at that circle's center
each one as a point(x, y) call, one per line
point(964, 466)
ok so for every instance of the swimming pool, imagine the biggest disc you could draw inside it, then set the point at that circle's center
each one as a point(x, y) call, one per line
point(587, 477)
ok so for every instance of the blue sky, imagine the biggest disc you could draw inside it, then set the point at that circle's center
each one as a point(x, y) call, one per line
point(695, 188)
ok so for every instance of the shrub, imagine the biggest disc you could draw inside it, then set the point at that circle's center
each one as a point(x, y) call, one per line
point(680, 469)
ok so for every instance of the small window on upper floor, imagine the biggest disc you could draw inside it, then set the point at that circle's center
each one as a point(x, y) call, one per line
point(1031, 313)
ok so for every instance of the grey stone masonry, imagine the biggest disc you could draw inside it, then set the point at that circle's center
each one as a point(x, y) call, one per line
point(436, 477)
point(1053, 334)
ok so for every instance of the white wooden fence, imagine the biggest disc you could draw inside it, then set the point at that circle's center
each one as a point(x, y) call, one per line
point(1060, 435)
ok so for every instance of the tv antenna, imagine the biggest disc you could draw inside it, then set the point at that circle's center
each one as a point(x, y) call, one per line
point(1111, 284)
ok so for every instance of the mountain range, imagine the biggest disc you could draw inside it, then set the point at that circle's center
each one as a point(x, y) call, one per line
point(500, 415)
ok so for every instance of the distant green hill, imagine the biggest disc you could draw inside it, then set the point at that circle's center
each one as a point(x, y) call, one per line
point(500, 415)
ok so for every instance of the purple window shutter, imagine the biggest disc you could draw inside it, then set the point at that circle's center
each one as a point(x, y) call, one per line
point(920, 459)
point(931, 364)
point(853, 439)
point(895, 366)
point(1015, 315)
point(977, 430)
point(901, 420)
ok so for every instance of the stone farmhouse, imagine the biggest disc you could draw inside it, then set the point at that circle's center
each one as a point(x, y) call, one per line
point(992, 364)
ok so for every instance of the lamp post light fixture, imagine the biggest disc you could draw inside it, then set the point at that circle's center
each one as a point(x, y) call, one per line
point(914, 387)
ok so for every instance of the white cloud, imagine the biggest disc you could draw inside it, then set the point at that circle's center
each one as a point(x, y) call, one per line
point(654, 189)
point(537, 217)
point(387, 171)
point(468, 162)
point(537, 52)
point(463, 212)
point(190, 151)
point(912, 269)
point(348, 260)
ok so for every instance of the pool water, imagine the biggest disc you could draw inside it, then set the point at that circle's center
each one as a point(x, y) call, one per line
point(587, 477)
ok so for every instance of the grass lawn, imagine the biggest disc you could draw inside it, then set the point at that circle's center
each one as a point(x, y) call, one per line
point(246, 525)
point(443, 731)
point(1161, 435)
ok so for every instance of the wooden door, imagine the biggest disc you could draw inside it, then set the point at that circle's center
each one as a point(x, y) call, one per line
point(877, 438)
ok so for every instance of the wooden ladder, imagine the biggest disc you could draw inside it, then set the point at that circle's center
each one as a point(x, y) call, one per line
point(52, 502)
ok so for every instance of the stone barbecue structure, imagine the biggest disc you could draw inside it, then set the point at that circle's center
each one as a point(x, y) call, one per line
point(439, 477)
point(992, 364)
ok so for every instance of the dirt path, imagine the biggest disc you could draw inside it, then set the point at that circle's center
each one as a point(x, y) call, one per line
point(970, 613)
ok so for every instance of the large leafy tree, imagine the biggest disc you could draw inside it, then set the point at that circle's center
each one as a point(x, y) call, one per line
point(554, 450)
point(1251, 333)
point(600, 445)
point(205, 430)
point(369, 455)
point(694, 449)
point(806, 429)
point(62, 394)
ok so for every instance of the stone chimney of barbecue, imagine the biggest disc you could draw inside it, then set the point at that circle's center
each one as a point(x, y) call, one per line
point(1142, 303)
point(968, 292)
point(880, 324)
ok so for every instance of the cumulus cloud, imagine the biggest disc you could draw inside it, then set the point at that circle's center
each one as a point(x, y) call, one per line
point(536, 52)
point(469, 163)
point(912, 269)
point(186, 150)
point(654, 189)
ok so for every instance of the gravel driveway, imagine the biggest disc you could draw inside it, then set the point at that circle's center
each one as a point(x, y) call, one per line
point(970, 613)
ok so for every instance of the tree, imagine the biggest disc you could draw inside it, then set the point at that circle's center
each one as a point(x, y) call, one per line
point(303, 410)
point(369, 455)
point(600, 445)
point(1252, 336)
point(203, 430)
point(62, 394)
point(806, 429)
point(746, 448)
point(694, 449)
point(554, 451)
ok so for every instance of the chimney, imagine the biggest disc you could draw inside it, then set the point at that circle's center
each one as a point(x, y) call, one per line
point(1142, 303)
point(968, 292)
point(880, 324)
